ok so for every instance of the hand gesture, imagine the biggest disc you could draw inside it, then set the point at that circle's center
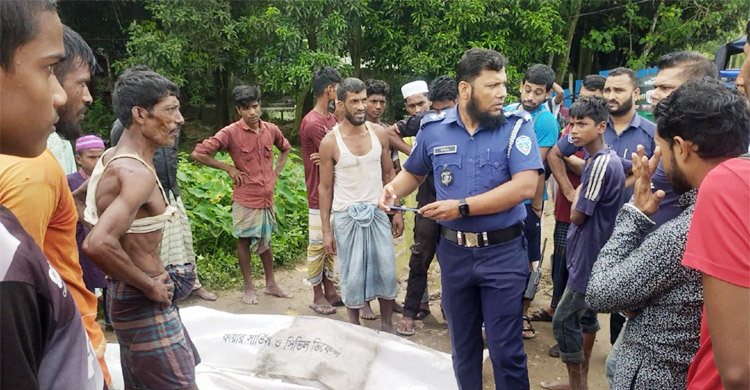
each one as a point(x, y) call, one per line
point(387, 198)
point(397, 227)
point(161, 289)
point(643, 168)
point(315, 158)
point(329, 243)
point(442, 210)
point(238, 177)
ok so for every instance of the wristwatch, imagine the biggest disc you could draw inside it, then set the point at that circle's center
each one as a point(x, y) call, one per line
point(463, 207)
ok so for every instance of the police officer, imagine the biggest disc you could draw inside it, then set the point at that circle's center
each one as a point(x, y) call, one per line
point(485, 164)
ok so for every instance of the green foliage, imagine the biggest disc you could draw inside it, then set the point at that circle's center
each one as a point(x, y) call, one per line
point(98, 120)
point(207, 194)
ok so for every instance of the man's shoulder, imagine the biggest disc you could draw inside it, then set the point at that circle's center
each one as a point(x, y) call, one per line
point(647, 126)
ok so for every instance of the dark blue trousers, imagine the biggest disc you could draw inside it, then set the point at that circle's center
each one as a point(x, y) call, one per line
point(485, 284)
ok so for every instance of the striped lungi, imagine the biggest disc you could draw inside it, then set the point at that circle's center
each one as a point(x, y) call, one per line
point(176, 247)
point(319, 263)
point(255, 224)
point(155, 349)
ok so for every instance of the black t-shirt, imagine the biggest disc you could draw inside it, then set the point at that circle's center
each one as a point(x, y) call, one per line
point(409, 127)
point(43, 344)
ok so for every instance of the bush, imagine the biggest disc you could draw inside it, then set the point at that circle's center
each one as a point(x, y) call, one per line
point(207, 194)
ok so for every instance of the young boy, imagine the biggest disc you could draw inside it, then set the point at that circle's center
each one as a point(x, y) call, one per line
point(88, 150)
point(597, 201)
point(250, 143)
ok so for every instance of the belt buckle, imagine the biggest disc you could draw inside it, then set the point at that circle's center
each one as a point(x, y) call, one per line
point(471, 240)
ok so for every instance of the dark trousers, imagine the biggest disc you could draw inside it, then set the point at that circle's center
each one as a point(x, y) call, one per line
point(616, 322)
point(485, 284)
point(426, 232)
point(559, 264)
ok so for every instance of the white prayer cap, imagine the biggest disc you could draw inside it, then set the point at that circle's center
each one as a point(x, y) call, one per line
point(413, 88)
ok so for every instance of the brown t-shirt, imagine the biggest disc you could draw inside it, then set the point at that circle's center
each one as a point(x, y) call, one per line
point(251, 153)
point(311, 131)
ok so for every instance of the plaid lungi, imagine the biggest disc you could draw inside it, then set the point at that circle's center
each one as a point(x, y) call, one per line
point(255, 224)
point(155, 349)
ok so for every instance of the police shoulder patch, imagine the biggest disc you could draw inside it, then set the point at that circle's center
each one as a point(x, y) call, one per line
point(523, 144)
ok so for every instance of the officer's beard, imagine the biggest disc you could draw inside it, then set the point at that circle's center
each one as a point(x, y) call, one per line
point(485, 118)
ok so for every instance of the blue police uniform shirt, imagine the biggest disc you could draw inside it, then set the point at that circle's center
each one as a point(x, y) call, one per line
point(546, 129)
point(640, 131)
point(600, 199)
point(466, 165)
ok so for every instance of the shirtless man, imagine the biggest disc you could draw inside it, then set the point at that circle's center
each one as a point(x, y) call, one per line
point(356, 154)
point(128, 209)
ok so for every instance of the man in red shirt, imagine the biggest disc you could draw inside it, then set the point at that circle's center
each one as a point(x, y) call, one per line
point(250, 143)
point(315, 125)
point(719, 246)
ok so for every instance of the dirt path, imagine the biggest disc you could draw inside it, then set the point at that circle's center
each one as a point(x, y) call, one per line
point(431, 332)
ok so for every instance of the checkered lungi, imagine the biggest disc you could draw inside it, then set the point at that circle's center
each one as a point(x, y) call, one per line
point(319, 263)
point(255, 224)
point(176, 247)
point(155, 349)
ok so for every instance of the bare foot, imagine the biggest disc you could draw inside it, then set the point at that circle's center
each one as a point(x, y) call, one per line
point(366, 312)
point(250, 298)
point(386, 327)
point(398, 308)
point(555, 385)
point(277, 292)
point(334, 299)
point(205, 294)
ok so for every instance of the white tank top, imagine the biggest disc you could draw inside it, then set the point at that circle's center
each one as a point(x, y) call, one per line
point(357, 179)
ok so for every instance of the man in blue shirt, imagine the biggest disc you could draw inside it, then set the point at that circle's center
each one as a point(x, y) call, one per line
point(536, 88)
point(485, 165)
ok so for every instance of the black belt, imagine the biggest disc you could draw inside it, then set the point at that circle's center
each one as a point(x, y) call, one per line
point(470, 240)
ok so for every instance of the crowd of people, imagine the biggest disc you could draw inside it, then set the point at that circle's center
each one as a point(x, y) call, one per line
point(652, 220)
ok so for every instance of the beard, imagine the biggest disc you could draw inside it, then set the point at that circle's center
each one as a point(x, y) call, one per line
point(531, 107)
point(677, 179)
point(70, 129)
point(622, 108)
point(353, 120)
point(485, 118)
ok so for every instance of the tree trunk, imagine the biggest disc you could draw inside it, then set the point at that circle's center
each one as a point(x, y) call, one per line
point(355, 45)
point(650, 43)
point(221, 79)
point(561, 62)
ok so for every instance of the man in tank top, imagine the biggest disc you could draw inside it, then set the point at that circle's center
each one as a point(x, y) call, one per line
point(355, 156)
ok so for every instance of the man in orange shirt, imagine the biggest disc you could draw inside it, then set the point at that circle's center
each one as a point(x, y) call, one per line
point(36, 191)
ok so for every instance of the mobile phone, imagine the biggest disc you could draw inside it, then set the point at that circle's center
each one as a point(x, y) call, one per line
point(399, 208)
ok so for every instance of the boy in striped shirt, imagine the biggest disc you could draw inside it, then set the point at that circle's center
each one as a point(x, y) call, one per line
point(597, 201)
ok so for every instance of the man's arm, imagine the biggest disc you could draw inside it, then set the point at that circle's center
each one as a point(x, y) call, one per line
point(577, 217)
point(281, 161)
point(328, 149)
point(521, 187)
point(731, 347)
point(397, 142)
point(238, 177)
point(557, 166)
point(102, 245)
point(574, 164)
point(538, 199)
point(559, 93)
point(387, 169)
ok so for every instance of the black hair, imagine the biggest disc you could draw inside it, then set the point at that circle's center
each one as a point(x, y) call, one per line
point(540, 74)
point(77, 52)
point(377, 87)
point(18, 26)
point(443, 88)
point(594, 107)
point(707, 113)
point(694, 64)
point(350, 84)
point(594, 82)
point(632, 75)
point(323, 77)
point(244, 95)
point(142, 87)
point(475, 60)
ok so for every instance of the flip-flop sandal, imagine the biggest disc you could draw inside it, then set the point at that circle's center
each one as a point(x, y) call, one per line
point(405, 332)
point(319, 309)
point(540, 315)
point(529, 328)
point(422, 314)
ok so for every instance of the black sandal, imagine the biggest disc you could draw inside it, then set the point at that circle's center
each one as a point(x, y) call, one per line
point(529, 328)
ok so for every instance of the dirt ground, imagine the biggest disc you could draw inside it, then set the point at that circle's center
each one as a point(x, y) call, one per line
point(433, 331)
